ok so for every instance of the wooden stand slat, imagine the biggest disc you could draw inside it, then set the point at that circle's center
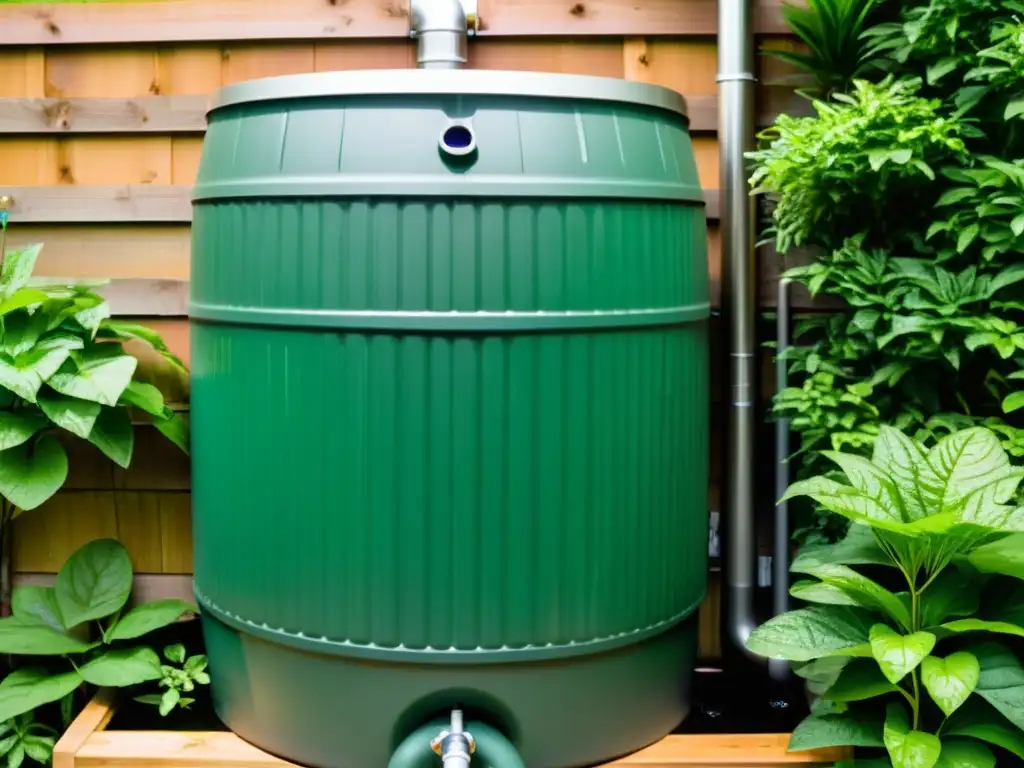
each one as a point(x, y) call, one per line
point(88, 745)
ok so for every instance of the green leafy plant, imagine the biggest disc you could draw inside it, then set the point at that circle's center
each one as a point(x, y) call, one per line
point(64, 371)
point(177, 680)
point(864, 156)
point(22, 737)
point(907, 197)
point(78, 631)
point(833, 32)
point(898, 641)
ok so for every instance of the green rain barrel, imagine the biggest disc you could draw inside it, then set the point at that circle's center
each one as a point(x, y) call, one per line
point(450, 411)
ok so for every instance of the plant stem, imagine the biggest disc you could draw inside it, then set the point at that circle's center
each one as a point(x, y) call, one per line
point(915, 626)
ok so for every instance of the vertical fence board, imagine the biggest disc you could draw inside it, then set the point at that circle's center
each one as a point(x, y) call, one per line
point(247, 62)
point(138, 528)
point(360, 54)
point(175, 533)
point(574, 57)
point(44, 537)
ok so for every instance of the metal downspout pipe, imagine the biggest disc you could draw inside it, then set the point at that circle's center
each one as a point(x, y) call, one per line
point(441, 28)
point(739, 307)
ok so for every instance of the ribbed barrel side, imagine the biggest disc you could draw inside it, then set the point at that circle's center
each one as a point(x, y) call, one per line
point(496, 488)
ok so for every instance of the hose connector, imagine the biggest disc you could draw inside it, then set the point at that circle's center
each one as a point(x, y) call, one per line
point(455, 746)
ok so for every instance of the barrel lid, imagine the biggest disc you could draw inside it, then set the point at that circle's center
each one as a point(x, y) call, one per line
point(470, 82)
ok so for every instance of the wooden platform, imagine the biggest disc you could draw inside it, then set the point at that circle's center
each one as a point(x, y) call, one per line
point(87, 744)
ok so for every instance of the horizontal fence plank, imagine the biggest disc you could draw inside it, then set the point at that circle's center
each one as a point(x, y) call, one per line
point(187, 114)
point(146, 114)
point(146, 588)
point(134, 203)
point(109, 204)
point(224, 20)
point(143, 297)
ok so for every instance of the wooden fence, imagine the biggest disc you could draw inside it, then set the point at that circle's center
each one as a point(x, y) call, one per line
point(101, 123)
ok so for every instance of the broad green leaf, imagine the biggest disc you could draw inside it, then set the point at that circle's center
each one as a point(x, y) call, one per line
point(821, 674)
point(811, 633)
point(94, 582)
point(965, 754)
point(25, 689)
point(39, 748)
point(823, 731)
point(31, 473)
point(25, 374)
point(951, 680)
point(122, 668)
point(16, 427)
point(1002, 681)
point(49, 354)
point(979, 625)
point(907, 748)
point(70, 413)
point(979, 720)
point(91, 317)
point(30, 637)
point(871, 481)
point(168, 701)
point(897, 655)
point(859, 547)
point(941, 68)
point(95, 374)
point(1005, 556)
point(113, 434)
point(965, 462)
point(860, 679)
point(37, 604)
point(845, 500)
point(1013, 402)
point(145, 397)
point(864, 592)
point(175, 653)
point(22, 298)
point(24, 382)
point(22, 330)
point(18, 264)
point(1014, 108)
point(820, 592)
point(175, 429)
point(148, 617)
point(125, 330)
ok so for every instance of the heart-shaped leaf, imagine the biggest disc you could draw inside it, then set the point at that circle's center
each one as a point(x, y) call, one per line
point(31, 473)
point(950, 680)
point(70, 413)
point(149, 616)
point(100, 375)
point(25, 689)
point(897, 655)
point(113, 434)
point(94, 582)
point(965, 754)
point(38, 604)
point(28, 636)
point(810, 633)
point(907, 748)
point(122, 668)
point(16, 427)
